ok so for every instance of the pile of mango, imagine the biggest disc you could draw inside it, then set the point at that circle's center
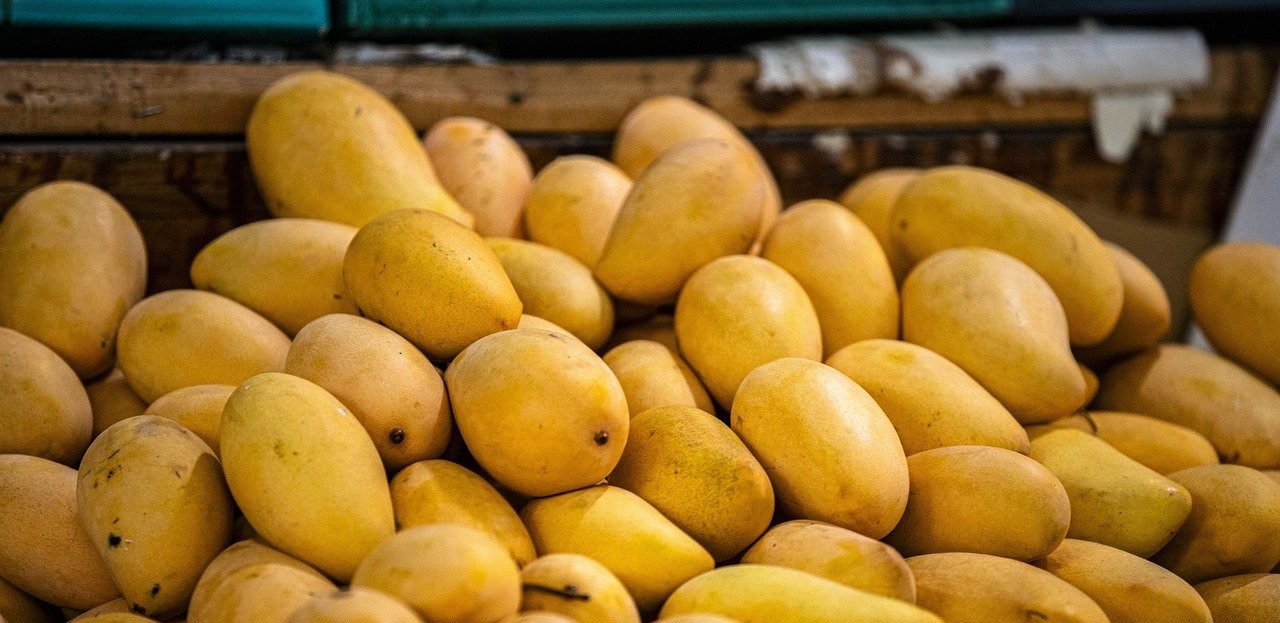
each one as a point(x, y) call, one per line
point(439, 388)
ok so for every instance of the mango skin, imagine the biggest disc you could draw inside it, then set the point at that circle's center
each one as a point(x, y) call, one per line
point(836, 554)
point(1000, 322)
point(240, 555)
point(829, 450)
point(554, 286)
point(842, 268)
point(1247, 598)
point(19, 607)
point(287, 269)
point(871, 198)
point(1128, 588)
point(738, 313)
point(72, 262)
point(538, 616)
point(47, 553)
point(263, 593)
point(1235, 515)
point(1235, 298)
point(45, 411)
point(982, 500)
point(653, 375)
point(764, 593)
point(484, 170)
point(112, 400)
point(558, 583)
point(305, 473)
point(977, 588)
point(181, 338)
point(572, 204)
point(355, 604)
point(197, 408)
point(960, 206)
point(1237, 412)
point(430, 280)
point(1161, 446)
point(716, 193)
point(325, 146)
point(1145, 315)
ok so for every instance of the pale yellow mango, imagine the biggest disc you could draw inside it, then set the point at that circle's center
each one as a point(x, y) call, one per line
point(577, 587)
point(1248, 598)
point(1145, 315)
point(871, 198)
point(829, 450)
point(19, 607)
point(45, 411)
point(483, 168)
point(1159, 445)
point(1128, 588)
point(572, 205)
point(1235, 298)
point(197, 408)
point(239, 555)
point(652, 375)
point(977, 588)
point(111, 400)
point(553, 285)
point(836, 554)
point(262, 593)
point(355, 604)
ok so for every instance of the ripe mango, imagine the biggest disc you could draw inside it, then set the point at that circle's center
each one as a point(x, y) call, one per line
point(262, 593)
point(572, 205)
point(45, 411)
point(111, 400)
point(355, 604)
point(836, 554)
point(871, 198)
point(240, 555)
point(652, 375)
point(484, 170)
point(1128, 588)
point(19, 607)
point(1248, 598)
point(554, 286)
point(1159, 445)
point(1235, 297)
point(197, 408)
point(576, 587)
point(977, 588)
point(1145, 316)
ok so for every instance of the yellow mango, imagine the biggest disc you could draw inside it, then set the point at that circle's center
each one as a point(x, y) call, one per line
point(931, 401)
point(72, 262)
point(155, 505)
point(836, 554)
point(826, 445)
point(1235, 298)
point(660, 328)
point(697, 473)
point(197, 408)
point(115, 606)
point(538, 616)
point(1114, 499)
point(356, 604)
point(572, 204)
point(1237, 412)
point(430, 280)
point(19, 607)
point(305, 473)
point(553, 285)
point(111, 400)
point(1235, 515)
point(262, 593)
point(539, 411)
point(389, 386)
point(1128, 588)
point(977, 588)
point(1000, 322)
point(181, 338)
point(738, 313)
point(1160, 446)
point(433, 492)
point(577, 587)
point(1248, 598)
point(838, 261)
point(238, 556)
point(483, 168)
point(618, 529)
point(653, 375)
point(713, 189)
point(287, 269)
point(46, 552)
point(961, 206)
point(529, 321)
point(447, 573)
point(871, 198)
point(983, 500)
point(1145, 316)
point(45, 411)
point(769, 594)
point(325, 146)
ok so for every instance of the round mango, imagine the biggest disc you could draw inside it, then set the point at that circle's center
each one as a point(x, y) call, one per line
point(572, 205)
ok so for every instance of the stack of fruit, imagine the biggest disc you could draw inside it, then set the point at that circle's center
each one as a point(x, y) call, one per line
point(873, 411)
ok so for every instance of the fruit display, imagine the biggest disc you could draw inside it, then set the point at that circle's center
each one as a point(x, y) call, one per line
point(441, 386)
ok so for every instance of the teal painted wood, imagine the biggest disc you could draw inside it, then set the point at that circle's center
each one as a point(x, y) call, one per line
point(426, 15)
point(310, 15)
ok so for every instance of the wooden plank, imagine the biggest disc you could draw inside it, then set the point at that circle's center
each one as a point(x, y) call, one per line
point(126, 98)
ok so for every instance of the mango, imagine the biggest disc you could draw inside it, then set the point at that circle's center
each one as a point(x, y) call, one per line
point(287, 269)
point(529, 321)
point(540, 412)
point(539, 616)
point(1235, 298)
point(447, 573)
point(652, 375)
point(1162, 447)
point(262, 593)
point(197, 408)
point(768, 594)
point(1000, 322)
point(1237, 412)
point(572, 204)
point(660, 328)
point(842, 268)
point(553, 285)
point(238, 556)
point(1145, 316)
point(181, 338)
point(387, 383)
point(1129, 589)
point(45, 411)
point(697, 617)
point(697, 473)
point(327, 147)
point(484, 170)
point(46, 552)
point(738, 313)
point(871, 198)
point(836, 554)
point(977, 588)
point(72, 262)
point(19, 607)
point(1091, 384)
point(961, 206)
point(576, 587)
point(1247, 598)
point(355, 605)
point(712, 188)
point(618, 529)
point(830, 451)
point(430, 280)
point(982, 500)
point(1235, 515)
point(115, 606)
point(305, 473)
point(931, 402)
point(111, 400)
